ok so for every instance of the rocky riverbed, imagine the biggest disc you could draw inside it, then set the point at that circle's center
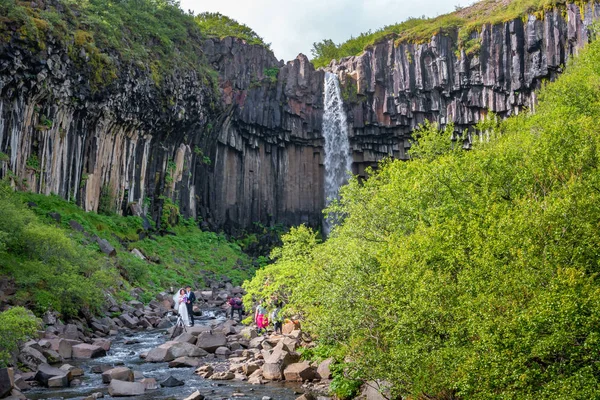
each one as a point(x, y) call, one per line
point(134, 353)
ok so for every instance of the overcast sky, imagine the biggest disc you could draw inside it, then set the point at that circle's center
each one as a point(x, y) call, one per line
point(292, 26)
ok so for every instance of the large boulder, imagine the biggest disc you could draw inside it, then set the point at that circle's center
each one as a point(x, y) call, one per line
point(118, 373)
point(211, 341)
point(186, 337)
point(205, 371)
point(119, 388)
point(85, 350)
point(59, 381)
point(129, 320)
point(184, 362)
point(31, 358)
point(272, 371)
point(171, 382)
point(184, 349)
point(45, 372)
point(277, 361)
point(7, 381)
point(63, 347)
point(324, 369)
point(222, 376)
point(299, 372)
point(104, 343)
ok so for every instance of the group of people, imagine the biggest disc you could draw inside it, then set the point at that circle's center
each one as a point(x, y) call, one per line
point(184, 303)
point(262, 315)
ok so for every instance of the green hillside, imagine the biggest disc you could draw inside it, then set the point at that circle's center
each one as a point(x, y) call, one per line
point(56, 267)
point(465, 274)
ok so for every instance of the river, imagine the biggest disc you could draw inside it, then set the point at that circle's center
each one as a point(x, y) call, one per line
point(129, 356)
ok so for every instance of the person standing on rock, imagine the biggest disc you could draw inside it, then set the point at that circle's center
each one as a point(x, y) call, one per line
point(261, 319)
point(277, 317)
point(236, 304)
point(180, 300)
point(191, 298)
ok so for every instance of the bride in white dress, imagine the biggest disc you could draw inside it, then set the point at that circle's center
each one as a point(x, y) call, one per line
point(180, 299)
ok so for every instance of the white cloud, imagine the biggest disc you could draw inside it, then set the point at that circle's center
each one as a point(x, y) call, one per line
point(292, 26)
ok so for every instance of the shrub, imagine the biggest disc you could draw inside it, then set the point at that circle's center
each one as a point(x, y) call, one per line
point(16, 325)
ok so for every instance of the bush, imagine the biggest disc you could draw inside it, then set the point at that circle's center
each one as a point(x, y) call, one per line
point(467, 274)
point(16, 325)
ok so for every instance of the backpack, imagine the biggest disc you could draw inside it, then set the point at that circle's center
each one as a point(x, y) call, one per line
point(238, 302)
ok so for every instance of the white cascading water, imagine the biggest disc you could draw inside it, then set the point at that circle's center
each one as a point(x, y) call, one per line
point(338, 160)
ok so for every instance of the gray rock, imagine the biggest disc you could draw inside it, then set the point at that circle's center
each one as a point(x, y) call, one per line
point(118, 373)
point(45, 372)
point(7, 381)
point(211, 341)
point(171, 382)
point(85, 350)
point(118, 388)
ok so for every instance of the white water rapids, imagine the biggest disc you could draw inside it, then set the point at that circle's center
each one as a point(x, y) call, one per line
point(338, 159)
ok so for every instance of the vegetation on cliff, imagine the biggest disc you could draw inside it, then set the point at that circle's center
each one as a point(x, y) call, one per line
point(461, 24)
point(220, 26)
point(466, 274)
point(55, 267)
point(103, 35)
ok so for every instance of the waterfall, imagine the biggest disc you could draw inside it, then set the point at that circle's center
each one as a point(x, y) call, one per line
point(338, 160)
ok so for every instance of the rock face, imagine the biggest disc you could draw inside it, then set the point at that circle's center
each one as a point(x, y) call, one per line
point(253, 150)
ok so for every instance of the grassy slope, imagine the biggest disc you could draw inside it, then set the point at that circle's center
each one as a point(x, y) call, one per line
point(419, 30)
point(184, 258)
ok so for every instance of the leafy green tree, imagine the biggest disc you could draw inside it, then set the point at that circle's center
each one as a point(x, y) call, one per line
point(471, 274)
point(16, 325)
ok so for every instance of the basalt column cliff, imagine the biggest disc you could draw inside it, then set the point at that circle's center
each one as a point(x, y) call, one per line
point(245, 145)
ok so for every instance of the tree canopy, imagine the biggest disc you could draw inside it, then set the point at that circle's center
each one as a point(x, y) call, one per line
point(467, 274)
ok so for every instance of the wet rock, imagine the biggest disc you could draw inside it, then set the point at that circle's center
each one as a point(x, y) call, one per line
point(88, 351)
point(71, 371)
point(94, 396)
point(99, 369)
point(250, 368)
point(306, 396)
point(205, 371)
point(299, 372)
point(60, 381)
point(103, 343)
point(171, 382)
point(184, 362)
point(122, 388)
point(222, 376)
point(118, 373)
point(195, 396)
point(256, 378)
point(7, 381)
point(149, 383)
point(45, 372)
point(211, 341)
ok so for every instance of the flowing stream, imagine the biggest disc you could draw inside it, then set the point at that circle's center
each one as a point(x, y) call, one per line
point(338, 159)
point(128, 355)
